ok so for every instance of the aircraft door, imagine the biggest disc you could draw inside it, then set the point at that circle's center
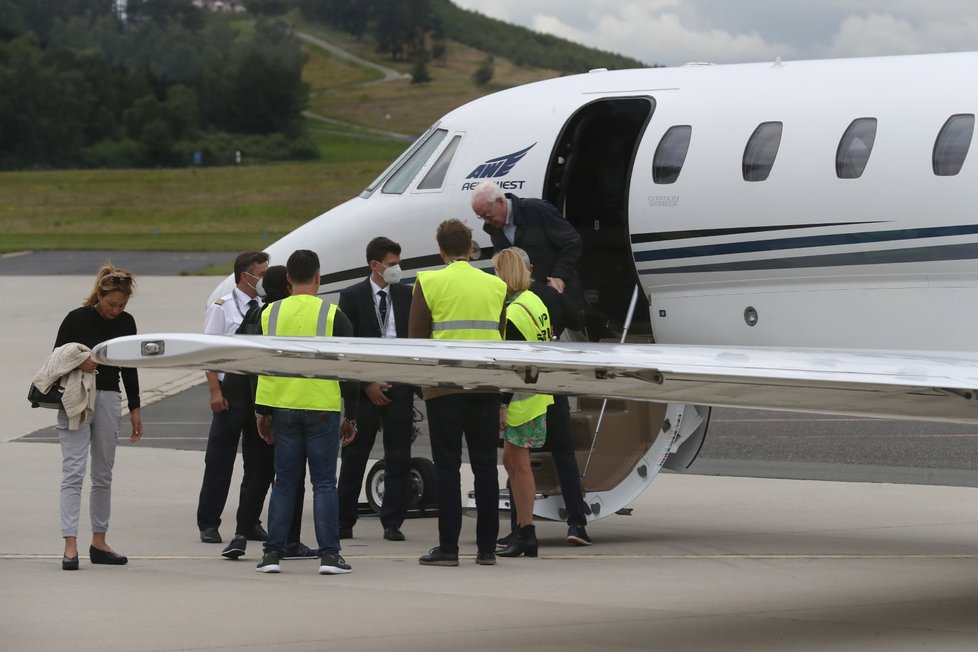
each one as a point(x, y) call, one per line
point(588, 179)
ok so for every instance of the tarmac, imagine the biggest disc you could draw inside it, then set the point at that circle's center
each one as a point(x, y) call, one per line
point(702, 562)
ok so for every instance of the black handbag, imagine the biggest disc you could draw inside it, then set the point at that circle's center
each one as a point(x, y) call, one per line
point(51, 399)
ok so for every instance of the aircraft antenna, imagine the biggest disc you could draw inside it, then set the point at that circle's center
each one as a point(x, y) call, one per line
point(604, 403)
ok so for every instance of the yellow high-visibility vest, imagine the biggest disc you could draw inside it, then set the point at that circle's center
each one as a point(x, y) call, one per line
point(465, 302)
point(301, 314)
point(530, 316)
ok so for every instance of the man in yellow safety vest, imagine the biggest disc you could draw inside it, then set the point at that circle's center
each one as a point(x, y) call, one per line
point(301, 417)
point(461, 302)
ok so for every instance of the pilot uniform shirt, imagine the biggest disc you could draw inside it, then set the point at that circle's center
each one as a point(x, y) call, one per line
point(391, 330)
point(225, 315)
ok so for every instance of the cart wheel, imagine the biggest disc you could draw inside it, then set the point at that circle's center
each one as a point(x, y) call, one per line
point(424, 489)
point(375, 486)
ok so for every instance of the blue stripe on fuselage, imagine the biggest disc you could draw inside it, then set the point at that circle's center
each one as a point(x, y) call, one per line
point(803, 242)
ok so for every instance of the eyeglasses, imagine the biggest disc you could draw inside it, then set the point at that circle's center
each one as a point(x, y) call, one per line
point(484, 216)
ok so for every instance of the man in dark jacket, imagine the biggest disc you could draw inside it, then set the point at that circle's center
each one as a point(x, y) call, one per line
point(378, 306)
point(554, 247)
point(553, 244)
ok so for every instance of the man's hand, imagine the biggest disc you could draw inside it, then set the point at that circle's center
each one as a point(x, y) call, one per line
point(348, 432)
point(502, 417)
point(556, 283)
point(218, 402)
point(88, 366)
point(375, 392)
point(264, 423)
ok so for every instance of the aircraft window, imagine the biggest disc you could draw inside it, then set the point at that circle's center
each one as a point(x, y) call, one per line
point(436, 175)
point(397, 162)
point(402, 177)
point(952, 144)
point(761, 150)
point(854, 148)
point(671, 154)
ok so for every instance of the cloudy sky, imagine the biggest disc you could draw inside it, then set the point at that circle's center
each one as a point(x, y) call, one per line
point(673, 32)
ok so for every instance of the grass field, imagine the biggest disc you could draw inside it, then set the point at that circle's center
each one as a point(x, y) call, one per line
point(189, 209)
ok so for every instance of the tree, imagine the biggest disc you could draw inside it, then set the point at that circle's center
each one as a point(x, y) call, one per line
point(419, 73)
point(485, 72)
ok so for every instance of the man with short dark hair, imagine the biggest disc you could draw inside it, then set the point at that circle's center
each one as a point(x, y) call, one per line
point(461, 302)
point(231, 403)
point(301, 416)
point(378, 306)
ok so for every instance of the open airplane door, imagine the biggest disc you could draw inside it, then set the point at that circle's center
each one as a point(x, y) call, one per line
point(590, 179)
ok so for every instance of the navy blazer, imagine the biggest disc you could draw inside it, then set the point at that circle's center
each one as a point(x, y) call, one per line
point(357, 303)
point(553, 244)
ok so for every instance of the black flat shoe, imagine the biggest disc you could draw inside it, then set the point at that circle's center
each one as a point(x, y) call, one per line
point(105, 557)
point(69, 563)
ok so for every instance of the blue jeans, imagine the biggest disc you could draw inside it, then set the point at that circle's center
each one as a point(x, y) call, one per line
point(298, 435)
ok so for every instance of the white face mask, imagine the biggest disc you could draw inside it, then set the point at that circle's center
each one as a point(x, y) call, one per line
point(254, 286)
point(260, 288)
point(392, 275)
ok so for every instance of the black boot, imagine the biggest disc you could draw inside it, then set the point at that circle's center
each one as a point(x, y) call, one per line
point(524, 543)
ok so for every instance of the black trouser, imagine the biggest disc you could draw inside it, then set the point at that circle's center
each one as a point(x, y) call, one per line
point(476, 417)
point(227, 427)
point(397, 420)
point(562, 450)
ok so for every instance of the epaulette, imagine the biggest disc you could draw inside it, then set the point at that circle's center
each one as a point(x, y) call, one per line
point(219, 302)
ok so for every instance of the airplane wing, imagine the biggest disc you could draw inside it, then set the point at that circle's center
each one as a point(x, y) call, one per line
point(937, 386)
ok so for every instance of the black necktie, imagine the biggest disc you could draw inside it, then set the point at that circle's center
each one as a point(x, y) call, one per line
point(382, 310)
point(252, 304)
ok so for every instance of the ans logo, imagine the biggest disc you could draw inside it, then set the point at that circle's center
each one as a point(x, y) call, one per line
point(498, 167)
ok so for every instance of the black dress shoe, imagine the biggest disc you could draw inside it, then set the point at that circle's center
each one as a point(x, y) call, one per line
point(255, 533)
point(486, 558)
point(105, 557)
point(437, 557)
point(210, 535)
point(69, 563)
point(393, 534)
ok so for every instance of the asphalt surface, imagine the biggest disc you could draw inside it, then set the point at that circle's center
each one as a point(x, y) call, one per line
point(86, 263)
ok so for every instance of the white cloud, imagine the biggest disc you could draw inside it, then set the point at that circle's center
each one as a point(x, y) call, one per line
point(675, 31)
point(663, 38)
point(881, 34)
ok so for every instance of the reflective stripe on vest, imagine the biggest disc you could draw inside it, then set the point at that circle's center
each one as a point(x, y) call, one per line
point(299, 315)
point(465, 302)
point(529, 314)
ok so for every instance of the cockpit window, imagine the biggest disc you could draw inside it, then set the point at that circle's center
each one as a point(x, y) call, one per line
point(397, 162)
point(436, 175)
point(671, 154)
point(952, 144)
point(761, 150)
point(402, 177)
point(855, 147)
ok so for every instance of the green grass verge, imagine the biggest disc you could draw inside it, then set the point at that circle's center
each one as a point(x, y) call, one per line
point(194, 209)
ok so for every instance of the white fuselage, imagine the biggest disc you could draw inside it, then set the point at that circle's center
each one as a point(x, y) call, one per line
point(886, 260)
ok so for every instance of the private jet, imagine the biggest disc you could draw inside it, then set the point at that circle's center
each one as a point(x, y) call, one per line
point(789, 235)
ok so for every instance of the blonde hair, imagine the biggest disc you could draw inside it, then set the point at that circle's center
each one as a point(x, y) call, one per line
point(110, 279)
point(512, 269)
